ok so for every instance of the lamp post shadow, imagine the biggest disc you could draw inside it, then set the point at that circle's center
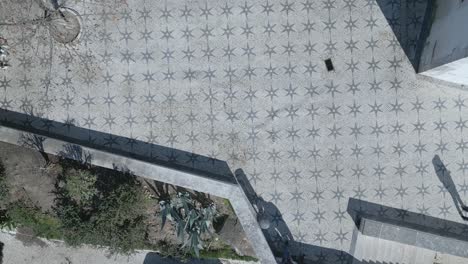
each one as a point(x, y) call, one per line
point(446, 179)
point(279, 237)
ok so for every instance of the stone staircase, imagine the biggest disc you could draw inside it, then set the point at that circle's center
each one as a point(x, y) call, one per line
point(374, 250)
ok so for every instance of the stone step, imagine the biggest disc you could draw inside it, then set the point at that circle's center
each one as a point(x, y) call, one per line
point(437, 242)
point(372, 250)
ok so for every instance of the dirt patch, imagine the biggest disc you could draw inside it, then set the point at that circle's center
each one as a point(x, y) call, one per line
point(32, 176)
point(26, 236)
point(230, 235)
point(28, 175)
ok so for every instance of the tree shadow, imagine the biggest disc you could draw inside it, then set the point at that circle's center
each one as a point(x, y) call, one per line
point(446, 179)
point(109, 180)
point(34, 142)
point(76, 153)
point(160, 189)
point(410, 21)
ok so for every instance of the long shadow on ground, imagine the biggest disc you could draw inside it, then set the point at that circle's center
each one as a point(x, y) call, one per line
point(129, 147)
point(167, 157)
point(446, 179)
point(410, 21)
point(276, 234)
point(359, 209)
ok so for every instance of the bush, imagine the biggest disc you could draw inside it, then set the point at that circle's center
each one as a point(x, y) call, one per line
point(80, 185)
point(114, 214)
point(189, 217)
point(120, 219)
point(42, 224)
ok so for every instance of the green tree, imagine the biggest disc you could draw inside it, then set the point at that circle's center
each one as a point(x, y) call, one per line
point(80, 185)
point(102, 207)
point(42, 224)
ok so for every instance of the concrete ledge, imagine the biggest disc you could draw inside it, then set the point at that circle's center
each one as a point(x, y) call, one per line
point(430, 79)
point(414, 237)
point(233, 192)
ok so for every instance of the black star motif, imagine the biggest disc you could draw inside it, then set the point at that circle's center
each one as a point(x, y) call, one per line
point(320, 237)
point(380, 192)
point(298, 217)
point(296, 195)
point(341, 236)
point(351, 45)
point(356, 151)
point(267, 8)
point(167, 34)
point(226, 10)
point(165, 13)
point(186, 12)
point(246, 9)
point(340, 215)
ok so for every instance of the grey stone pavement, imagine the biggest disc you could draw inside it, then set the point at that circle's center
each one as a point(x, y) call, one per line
point(24, 251)
point(245, 82)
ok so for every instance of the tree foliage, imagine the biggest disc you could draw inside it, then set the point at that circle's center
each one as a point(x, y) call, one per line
point(102, 207)
point(80, 185)
point(21, 214)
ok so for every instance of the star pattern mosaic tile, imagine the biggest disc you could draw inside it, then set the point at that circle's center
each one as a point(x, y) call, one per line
point(245, 82)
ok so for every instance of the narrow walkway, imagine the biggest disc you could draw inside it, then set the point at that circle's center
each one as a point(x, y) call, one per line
point(19, 251)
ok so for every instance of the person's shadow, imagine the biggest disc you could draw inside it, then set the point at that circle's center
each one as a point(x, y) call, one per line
point(276, 230)
point(446, 179)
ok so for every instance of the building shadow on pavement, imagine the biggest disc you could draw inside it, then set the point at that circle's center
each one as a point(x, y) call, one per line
point(277, 232)
point(35, 131)
point(149, 151)
point(446, 179)
point(410, 21)
point(359, 209)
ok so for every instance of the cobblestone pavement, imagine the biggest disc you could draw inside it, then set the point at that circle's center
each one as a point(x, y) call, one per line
point(245, 82)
